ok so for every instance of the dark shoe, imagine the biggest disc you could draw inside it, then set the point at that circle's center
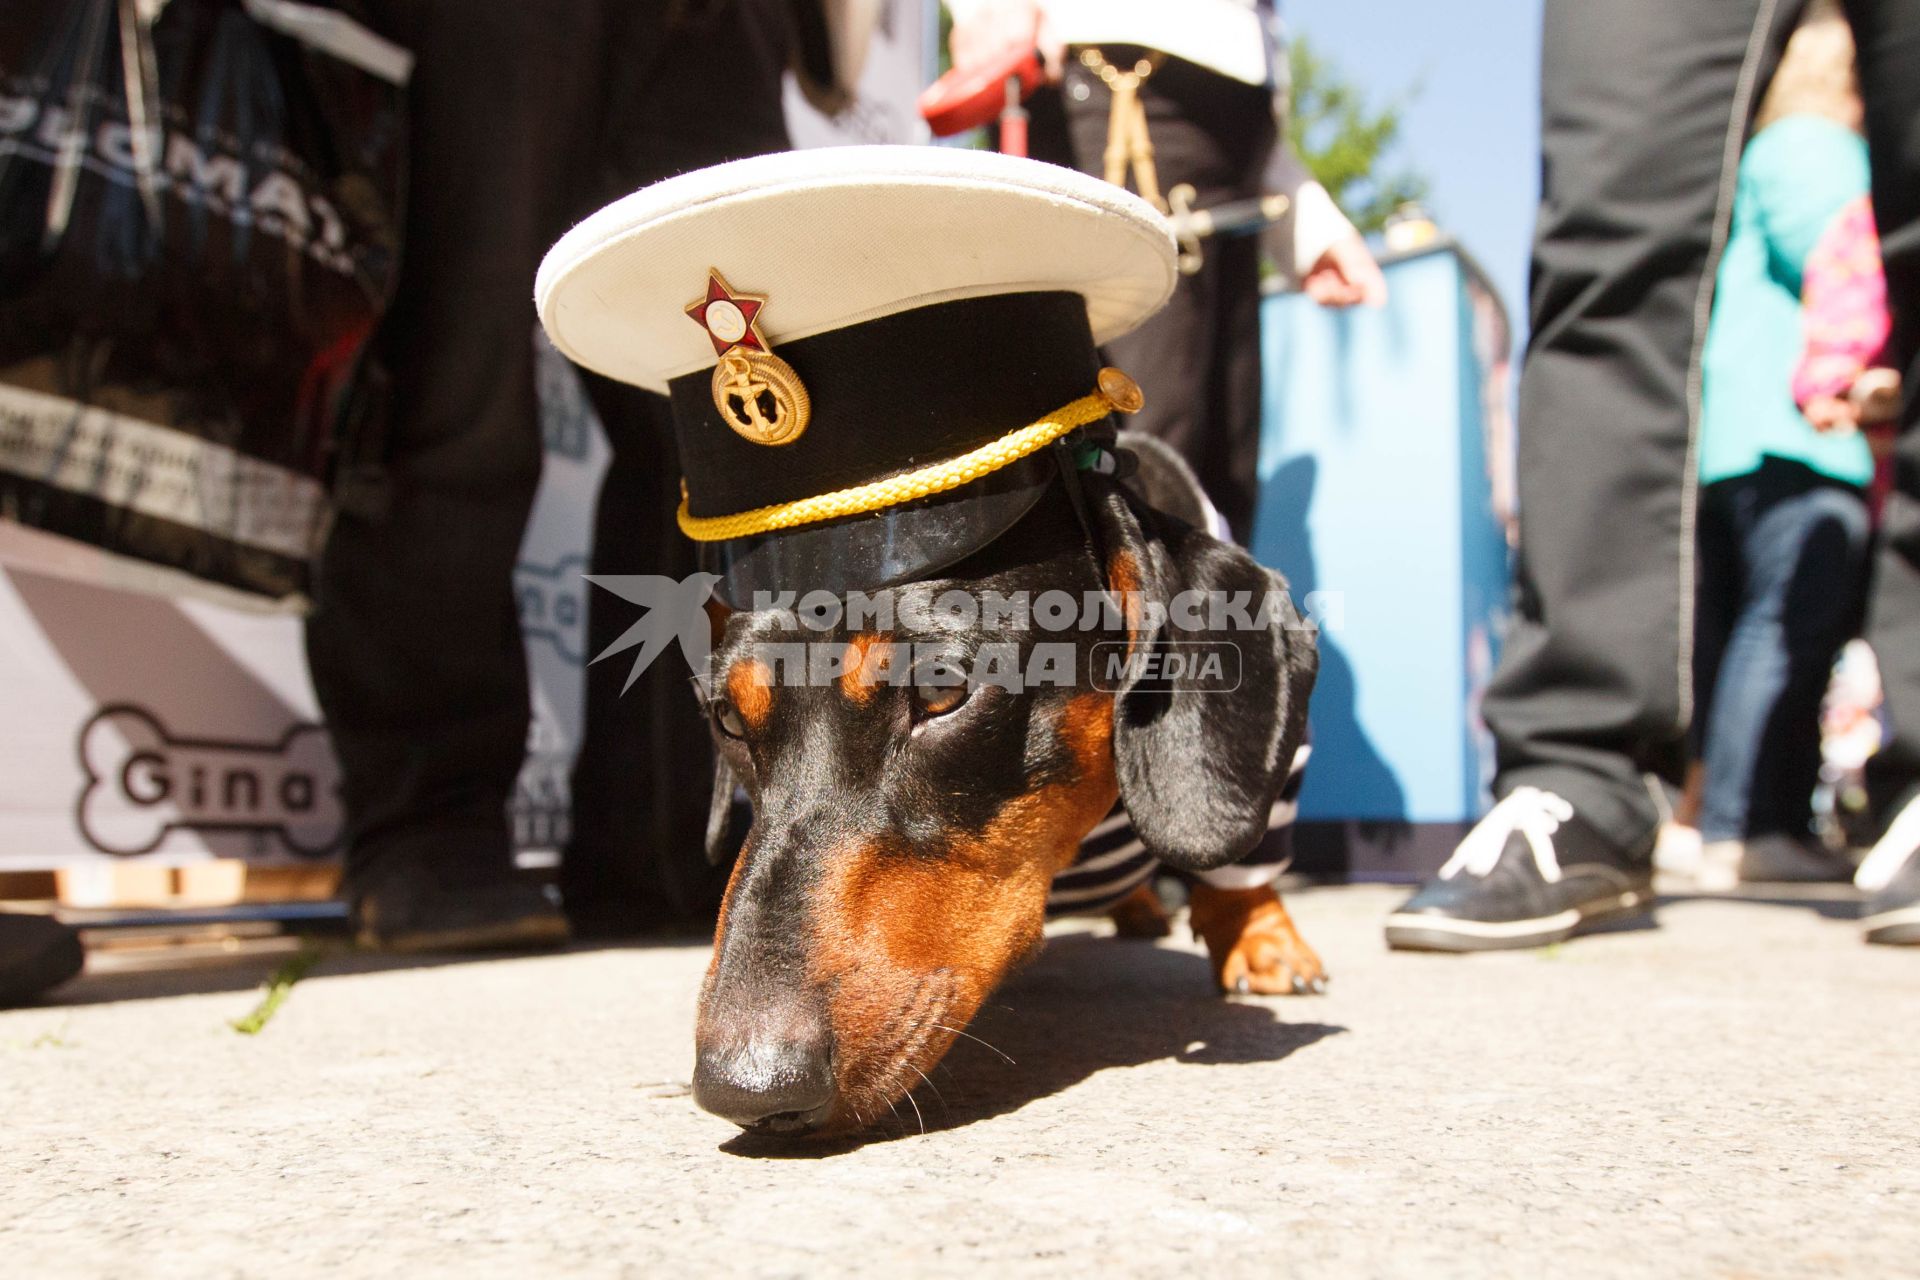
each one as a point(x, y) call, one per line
point(418, 908)
point(37, 954)
point(1532, 872)
point(1768, 859)
point(1891, 878)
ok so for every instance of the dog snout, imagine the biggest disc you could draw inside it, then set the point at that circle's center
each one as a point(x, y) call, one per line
point(772, 1084)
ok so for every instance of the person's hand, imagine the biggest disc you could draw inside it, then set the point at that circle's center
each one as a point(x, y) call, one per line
point(1000, 25)
point(1346, 275)
point(1832, 414)
point(1875, 396)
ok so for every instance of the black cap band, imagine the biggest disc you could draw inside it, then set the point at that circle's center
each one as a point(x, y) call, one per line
point(903, 391)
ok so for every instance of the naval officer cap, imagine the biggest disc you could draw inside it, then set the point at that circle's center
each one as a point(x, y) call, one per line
point(877, 357)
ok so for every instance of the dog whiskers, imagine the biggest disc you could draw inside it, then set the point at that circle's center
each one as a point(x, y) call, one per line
point(977, 1040)
point(916, 1110)
point(936, 1092)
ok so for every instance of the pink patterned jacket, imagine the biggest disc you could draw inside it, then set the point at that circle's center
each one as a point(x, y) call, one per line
point(1844, 298)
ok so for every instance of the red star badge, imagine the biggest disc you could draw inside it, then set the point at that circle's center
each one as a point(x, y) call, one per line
point(730, 319)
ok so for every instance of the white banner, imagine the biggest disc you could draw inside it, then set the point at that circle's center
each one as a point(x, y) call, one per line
point(143, 727)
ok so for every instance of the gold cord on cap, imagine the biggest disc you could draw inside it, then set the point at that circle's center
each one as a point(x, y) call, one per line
point(1117, 393)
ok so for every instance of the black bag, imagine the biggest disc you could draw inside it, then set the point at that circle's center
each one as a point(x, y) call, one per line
point(199, 231)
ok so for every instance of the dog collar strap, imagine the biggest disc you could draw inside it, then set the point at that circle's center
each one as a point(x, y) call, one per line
point(1116, 393)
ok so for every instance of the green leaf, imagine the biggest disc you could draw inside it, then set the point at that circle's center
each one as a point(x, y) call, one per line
point(279, 986)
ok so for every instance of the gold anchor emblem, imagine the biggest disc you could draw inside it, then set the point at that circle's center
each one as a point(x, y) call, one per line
point(757, 393)
point(761, 397)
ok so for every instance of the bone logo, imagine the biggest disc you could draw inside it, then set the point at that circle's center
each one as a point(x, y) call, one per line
point(142, 783)
point(552, 607)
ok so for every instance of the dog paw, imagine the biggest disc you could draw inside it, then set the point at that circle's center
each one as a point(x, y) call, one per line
point(1252, 943)
point(1140, 915)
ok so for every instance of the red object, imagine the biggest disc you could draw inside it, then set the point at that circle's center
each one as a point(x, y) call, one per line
point(966, 99)
point(1013, 133)
point(1013, 120)
point(744, 307)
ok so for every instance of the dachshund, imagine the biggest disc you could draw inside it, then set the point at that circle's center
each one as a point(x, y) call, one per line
point(909, 818)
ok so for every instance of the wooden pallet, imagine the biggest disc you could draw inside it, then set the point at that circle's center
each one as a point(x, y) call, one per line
point(121, 885)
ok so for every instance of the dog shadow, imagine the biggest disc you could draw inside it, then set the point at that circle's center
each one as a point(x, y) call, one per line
point(1088, 1004)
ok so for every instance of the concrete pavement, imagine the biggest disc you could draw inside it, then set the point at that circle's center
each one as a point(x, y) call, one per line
point(1731, 1094)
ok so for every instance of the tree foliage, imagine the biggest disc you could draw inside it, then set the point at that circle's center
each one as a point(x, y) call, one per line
point(1346, 143)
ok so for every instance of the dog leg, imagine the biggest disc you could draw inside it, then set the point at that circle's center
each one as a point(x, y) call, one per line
point(1140, 915)
point(1252, 942)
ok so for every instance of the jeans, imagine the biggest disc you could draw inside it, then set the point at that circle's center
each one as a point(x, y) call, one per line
point(1782, 558)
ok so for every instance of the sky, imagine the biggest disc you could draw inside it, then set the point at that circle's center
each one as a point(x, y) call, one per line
point(1473, 126)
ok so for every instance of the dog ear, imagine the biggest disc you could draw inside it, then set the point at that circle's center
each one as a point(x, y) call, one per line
point(1200, 766)
point(720, 805)
point(720, 812)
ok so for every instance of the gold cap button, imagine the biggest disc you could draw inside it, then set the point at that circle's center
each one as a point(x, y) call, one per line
point(1120, 391)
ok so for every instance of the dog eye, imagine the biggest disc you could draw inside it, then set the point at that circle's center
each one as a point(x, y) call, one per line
point(937, 699)
point(728, 717)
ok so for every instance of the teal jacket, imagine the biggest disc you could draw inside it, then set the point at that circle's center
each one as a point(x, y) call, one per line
point(1795, 176)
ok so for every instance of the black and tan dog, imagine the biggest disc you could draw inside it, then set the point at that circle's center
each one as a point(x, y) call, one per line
point(905, 833)
point(883, 371)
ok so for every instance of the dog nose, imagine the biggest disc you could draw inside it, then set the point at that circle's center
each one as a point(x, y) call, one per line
point(782, 1086)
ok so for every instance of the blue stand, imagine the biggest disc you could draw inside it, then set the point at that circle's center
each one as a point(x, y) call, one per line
point(1378, 504)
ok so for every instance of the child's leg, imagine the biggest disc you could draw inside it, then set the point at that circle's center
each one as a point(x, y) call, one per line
point(1803, 541)
point(1822, 534)
point(1722, 723)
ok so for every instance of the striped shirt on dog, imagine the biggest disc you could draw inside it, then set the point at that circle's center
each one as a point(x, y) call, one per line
point(1112, 862)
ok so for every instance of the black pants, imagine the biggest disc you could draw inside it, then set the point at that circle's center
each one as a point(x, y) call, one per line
point(644, 772)
point(414, 642)
point(1644, 106)
point(525, 117)
point(1198, 360)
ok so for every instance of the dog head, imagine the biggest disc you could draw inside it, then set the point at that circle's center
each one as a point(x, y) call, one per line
point(911, 802)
